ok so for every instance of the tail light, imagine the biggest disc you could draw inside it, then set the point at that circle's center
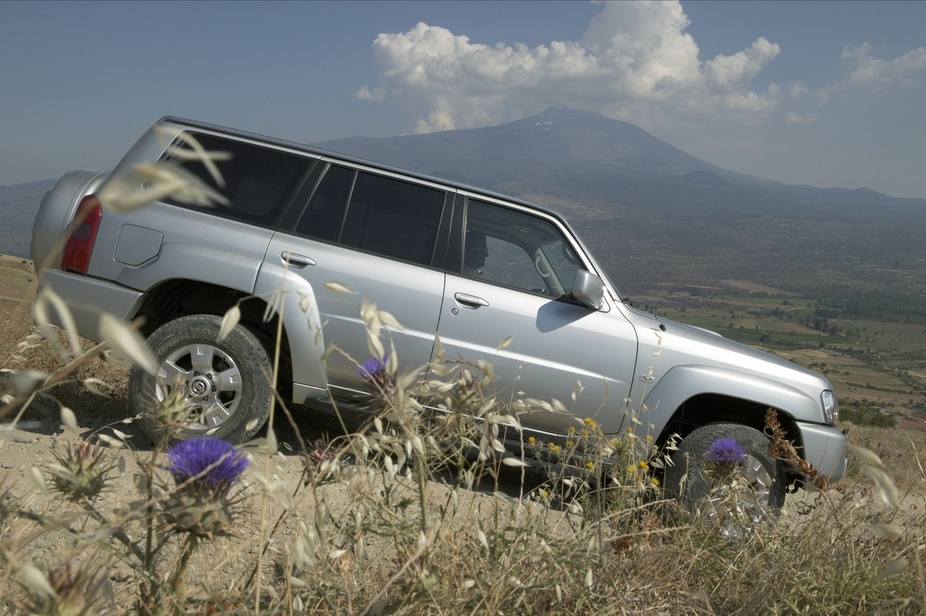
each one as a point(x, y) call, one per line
point(82, 235)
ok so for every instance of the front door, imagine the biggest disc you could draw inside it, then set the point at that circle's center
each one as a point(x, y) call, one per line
point(518, 269)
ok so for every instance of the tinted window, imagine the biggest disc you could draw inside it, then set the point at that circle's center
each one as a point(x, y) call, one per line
point(325, 213)
point(258, 181)
point(518, 250)
point(393, 218)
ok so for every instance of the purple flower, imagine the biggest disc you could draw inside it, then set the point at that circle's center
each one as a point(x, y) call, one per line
point(210, 464)
point(376, 375)
point(373, 367)
point(725, 451)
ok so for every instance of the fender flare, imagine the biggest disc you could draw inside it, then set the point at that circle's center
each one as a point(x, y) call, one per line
point(682, 383)
point(301, 325)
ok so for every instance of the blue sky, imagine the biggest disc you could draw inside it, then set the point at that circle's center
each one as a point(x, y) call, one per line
point(820, 93)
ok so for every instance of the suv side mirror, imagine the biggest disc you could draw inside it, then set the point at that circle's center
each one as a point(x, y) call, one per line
point(588, 289)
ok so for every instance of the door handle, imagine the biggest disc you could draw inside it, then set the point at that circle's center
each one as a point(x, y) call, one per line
point(470, 300)
point(296, 260)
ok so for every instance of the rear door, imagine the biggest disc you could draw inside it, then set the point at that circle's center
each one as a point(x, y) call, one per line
point(558, 349)
point(380, 237)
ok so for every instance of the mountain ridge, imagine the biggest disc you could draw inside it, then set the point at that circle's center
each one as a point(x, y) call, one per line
point(653, 214)
point(561, 140)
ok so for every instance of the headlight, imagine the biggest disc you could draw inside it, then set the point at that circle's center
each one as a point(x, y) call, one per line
point(830, 408)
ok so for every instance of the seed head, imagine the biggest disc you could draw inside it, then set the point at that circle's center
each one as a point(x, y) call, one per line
point(81, 471)
point(67, 590)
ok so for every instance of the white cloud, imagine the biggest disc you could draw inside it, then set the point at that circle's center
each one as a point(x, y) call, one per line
point(866, 73)
point(378, 94)
point(726, 71)
point(797, 90)
point(635, 62)
point(871, 73)
point(797, 118)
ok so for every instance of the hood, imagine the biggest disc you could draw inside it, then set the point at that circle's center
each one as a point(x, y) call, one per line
point(676, 344)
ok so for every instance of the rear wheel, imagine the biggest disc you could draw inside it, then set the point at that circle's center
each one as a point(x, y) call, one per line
point(732, 494)
point(203, 386)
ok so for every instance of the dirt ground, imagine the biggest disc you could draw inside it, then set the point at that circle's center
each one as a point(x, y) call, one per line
point(30, 440)
point(225, 564)
point(40, 435)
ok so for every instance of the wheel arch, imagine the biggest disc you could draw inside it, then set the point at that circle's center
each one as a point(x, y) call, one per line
point(174, 298)
point(690, 397)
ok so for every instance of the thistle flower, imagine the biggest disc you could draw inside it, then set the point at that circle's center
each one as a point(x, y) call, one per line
point(317, 460)
point(81, 471)
point(725, 451)
point(171, 412)
point(204, 468)
point(210, 465)
point(373, 366)
point(68, 591)
point(375, 373)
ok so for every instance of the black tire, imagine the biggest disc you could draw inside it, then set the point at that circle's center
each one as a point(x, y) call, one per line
point(224, 384)
point(688, 478)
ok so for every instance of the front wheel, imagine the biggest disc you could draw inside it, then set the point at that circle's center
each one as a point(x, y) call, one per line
point(203, 386)
point(714, 482)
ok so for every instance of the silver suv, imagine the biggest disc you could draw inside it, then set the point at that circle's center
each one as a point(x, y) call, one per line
point(450, 262)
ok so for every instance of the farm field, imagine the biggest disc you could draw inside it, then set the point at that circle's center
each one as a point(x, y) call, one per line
point(876, 367)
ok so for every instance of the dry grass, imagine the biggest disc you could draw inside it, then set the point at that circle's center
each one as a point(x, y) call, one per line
point(339, 530)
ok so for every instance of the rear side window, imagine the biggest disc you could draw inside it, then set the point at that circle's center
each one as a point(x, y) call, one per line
point(323, 217)
point(259, 181)
point(374, 213)
point(393, 218)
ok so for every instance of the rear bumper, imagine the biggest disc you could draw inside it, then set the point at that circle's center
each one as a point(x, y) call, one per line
point(86, 298)
point(826, 448)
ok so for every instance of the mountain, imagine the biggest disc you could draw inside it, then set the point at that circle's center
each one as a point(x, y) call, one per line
point(652, 214)
point(656, 215)
point(555, 145)
point(561, 147)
